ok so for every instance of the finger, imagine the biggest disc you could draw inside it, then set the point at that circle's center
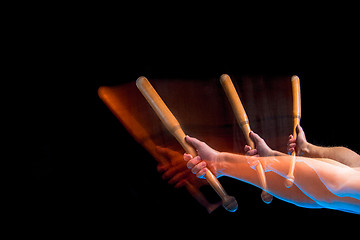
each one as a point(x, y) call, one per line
point(174, 170)
point(179, 176)
point(194, 142)
point(191, 163)
point(298, 128)
point(201, 173)
point(291, 150)
point(187, 157)
point(291, 136)
point(255, 137)
point(162, 167)
point(292, 145)
point(162, 150)
point(198, 167)
point(251, 152)
point(180, 184)
point(247, 148)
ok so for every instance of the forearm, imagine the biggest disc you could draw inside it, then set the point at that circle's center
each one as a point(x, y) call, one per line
point(316, 182)
point(237, 166)
point(277, 153)
point(339, 154)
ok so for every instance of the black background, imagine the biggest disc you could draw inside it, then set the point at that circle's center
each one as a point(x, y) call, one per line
point(87, 170)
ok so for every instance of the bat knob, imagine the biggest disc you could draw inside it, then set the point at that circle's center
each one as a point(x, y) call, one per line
point(266, 197)
point(289, 182)
point(230, 203)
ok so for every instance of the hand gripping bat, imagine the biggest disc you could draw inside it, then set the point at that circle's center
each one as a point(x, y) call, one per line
point(173, 126)
point(243, 122)
point(295, 85)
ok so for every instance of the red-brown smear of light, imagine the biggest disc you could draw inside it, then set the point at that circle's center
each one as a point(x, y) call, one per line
point(202, 109)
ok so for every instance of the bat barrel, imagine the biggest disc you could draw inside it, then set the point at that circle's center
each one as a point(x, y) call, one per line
point(238, 108)
point(243, 122)
point(295, 85)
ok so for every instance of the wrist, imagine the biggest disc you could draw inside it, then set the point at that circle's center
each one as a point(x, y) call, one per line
point(306, 150)
point(226, 163)
point(220, 164)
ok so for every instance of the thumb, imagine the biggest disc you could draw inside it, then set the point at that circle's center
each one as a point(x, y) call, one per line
point(194, 142)
point(255, 137)
point(299, 129)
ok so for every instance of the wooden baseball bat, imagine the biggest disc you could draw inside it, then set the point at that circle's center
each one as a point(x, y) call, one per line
point(243, 122)
point(173, 126)
point(295, 85)
point(141, 135)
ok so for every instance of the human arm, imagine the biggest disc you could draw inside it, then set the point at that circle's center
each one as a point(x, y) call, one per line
point(304, 148)
point(334, 186)
point(237, 166)
point(317, 183)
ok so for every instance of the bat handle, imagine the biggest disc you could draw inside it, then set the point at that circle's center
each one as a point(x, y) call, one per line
point(290, 176)
point(228, 202)
point(265, 196)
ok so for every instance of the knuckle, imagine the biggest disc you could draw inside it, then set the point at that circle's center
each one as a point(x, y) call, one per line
point(189, 164)
point(201, 173)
